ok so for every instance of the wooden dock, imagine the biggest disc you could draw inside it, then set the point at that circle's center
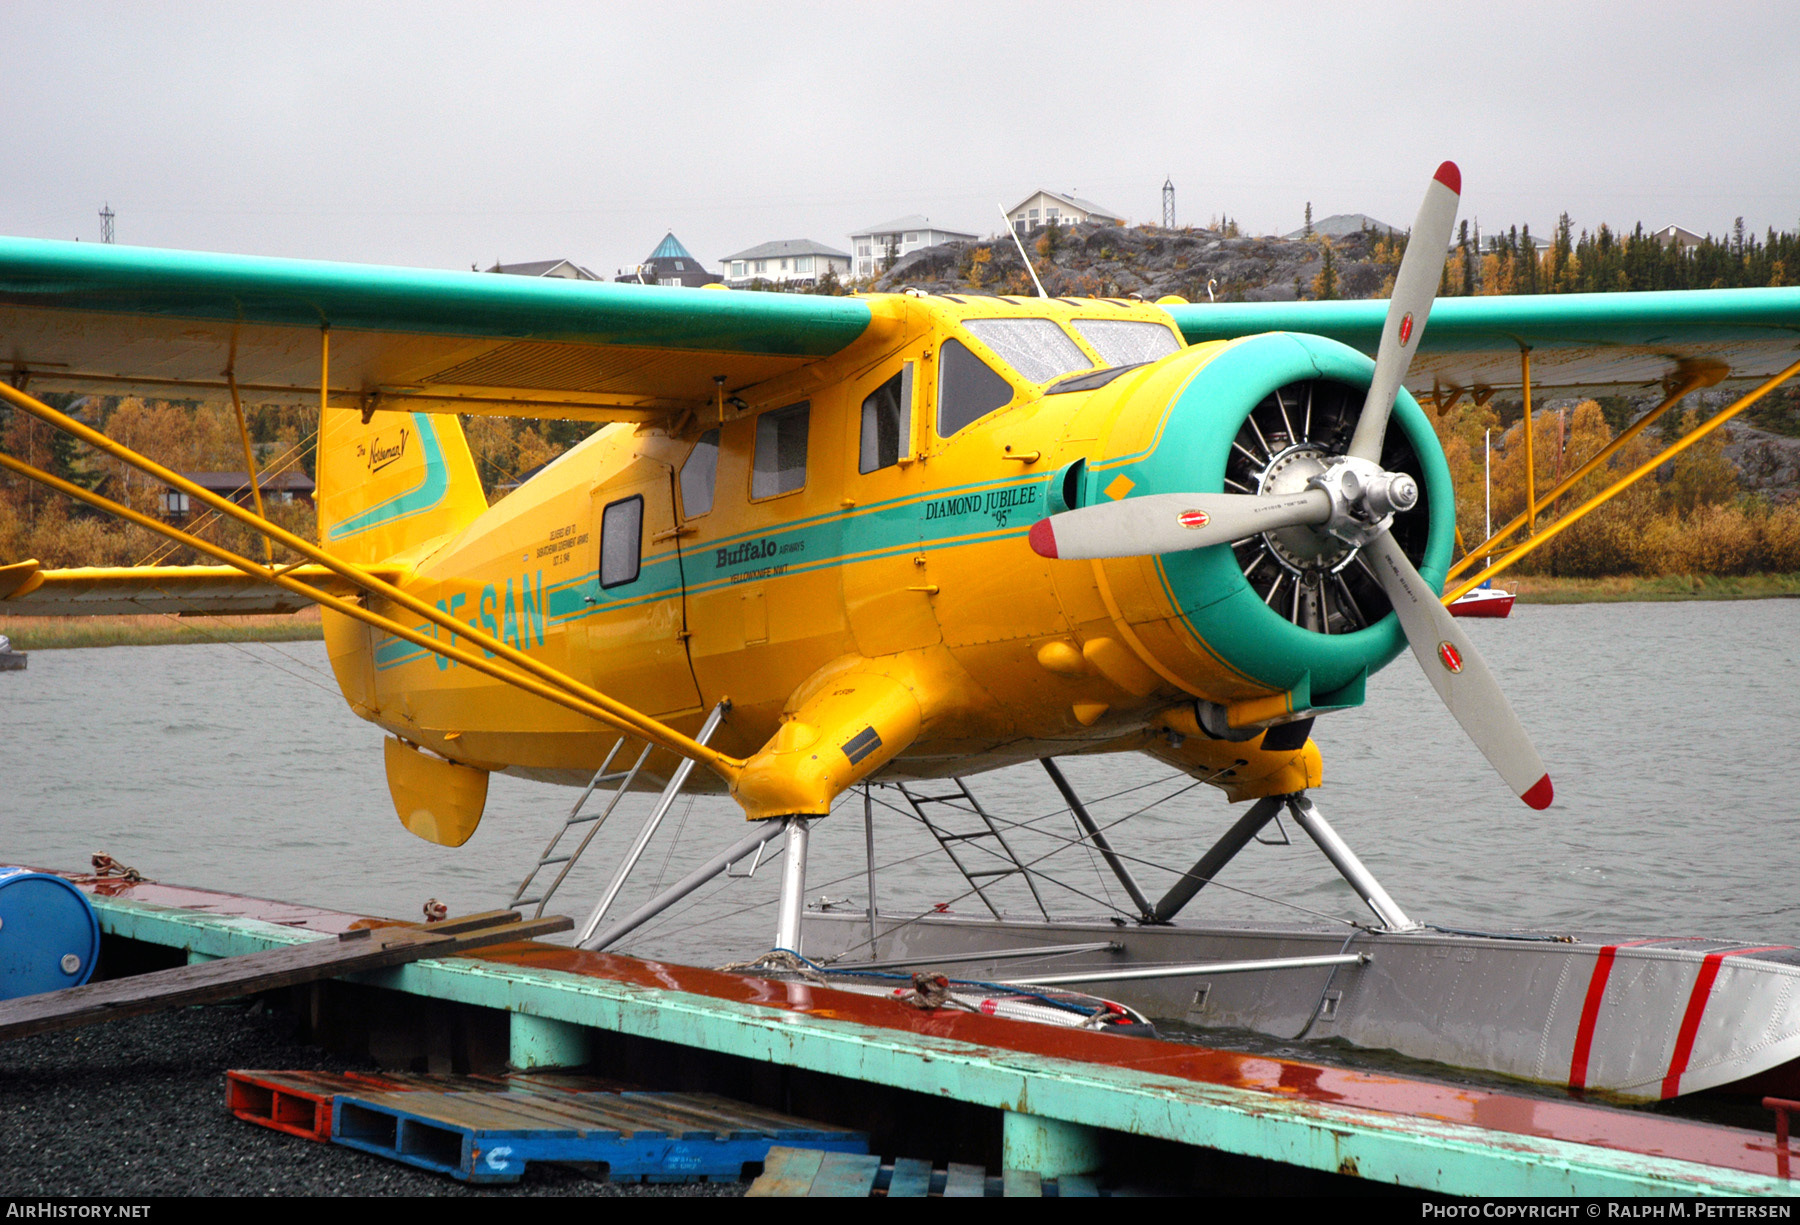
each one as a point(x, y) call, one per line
point(1051, 1103)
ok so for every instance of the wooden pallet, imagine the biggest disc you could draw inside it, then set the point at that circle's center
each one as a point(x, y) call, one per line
point(298, 1103)
point(491, 1135)
point(814, 1174)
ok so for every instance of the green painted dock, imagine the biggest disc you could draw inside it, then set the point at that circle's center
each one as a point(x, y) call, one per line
point(1064, 1099)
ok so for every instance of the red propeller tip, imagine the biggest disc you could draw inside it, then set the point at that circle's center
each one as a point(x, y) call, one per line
point(1450, 177)
point(1043, 539)
point(1541, 792)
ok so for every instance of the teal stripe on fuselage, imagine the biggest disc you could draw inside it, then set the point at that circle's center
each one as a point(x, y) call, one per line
point(968, 514)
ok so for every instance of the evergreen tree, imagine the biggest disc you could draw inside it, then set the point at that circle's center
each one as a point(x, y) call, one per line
point(1325, 284)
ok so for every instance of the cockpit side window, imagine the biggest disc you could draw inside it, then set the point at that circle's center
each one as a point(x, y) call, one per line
point(967, 388)
point(621, 541)
point(887, 423)
point(780, 465)
point(699, 474)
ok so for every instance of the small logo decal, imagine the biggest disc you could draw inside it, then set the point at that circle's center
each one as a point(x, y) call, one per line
point(1451, 659)
point(1193, 518)
point(1406, 327)
point(861, 745)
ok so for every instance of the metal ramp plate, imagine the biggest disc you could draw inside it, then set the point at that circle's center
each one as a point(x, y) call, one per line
point(807, 1173)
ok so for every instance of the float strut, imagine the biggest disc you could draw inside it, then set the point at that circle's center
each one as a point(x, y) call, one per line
point(793, 885)
point(1223, 851)
point(1146, 912)
point(677, 781)
point(765, 831)
point(1348, 865)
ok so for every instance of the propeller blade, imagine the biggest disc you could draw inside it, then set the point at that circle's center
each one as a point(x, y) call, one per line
point(1414, 288)
point(1458, 674)
point(1171, 522)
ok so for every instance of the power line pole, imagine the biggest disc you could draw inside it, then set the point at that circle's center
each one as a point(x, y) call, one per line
point(1168, 204)
point(106, 223)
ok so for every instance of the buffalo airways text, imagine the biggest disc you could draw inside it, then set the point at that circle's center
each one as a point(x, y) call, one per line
point(1000, 504)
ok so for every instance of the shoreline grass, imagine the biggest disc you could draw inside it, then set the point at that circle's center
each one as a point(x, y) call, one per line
point(1543, 589)
point(58, 633)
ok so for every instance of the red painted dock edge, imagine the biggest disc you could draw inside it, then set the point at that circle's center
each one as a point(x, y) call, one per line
point(1572, 1121)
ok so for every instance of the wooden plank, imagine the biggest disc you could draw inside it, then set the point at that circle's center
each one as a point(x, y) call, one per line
point(965, 1181)
point(1021, 1184)
point(911, 1180)
point(745, 1114)
point(230, 977)
point(845, 1176)
point(788, 1173)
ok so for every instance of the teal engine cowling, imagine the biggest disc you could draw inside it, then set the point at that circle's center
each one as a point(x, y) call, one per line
point(1294, 610)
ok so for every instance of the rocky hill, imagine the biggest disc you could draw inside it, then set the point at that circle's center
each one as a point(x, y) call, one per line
point(1117, 261)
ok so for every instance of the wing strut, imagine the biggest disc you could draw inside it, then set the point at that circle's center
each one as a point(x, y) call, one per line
point(527, 673)
point(1644, 469)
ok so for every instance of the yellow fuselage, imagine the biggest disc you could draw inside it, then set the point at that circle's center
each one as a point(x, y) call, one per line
point(918, 570)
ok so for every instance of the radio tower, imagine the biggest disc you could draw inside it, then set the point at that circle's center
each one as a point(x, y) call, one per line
point(106, 222)
point(1168, 205)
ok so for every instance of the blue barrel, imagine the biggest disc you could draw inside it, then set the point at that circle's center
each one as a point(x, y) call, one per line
point(49, 938)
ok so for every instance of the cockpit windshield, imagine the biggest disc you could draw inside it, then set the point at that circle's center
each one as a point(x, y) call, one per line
point(1036, 348)
point(1127, 342)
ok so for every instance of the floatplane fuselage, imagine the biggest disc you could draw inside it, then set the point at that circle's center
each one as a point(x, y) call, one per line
point(847, 562)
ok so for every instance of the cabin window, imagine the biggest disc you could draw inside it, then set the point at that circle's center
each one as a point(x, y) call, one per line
point(699, 475)
point(1036, 348)
point(1128, 342)
point(621, 541)
point(887, 423)
point(968, 389)
point(780, 465)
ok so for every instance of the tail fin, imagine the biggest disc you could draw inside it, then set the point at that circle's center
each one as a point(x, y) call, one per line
point(392, 482)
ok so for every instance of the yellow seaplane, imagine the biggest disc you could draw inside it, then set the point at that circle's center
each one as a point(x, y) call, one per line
point(828, 541)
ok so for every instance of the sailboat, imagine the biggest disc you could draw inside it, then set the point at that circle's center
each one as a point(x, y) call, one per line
point(1486, 600)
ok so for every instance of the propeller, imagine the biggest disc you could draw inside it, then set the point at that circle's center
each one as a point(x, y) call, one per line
point(1354, 500)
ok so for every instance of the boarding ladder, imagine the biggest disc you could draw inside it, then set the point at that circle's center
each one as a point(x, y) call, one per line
point(959, 823)
point(616, 783)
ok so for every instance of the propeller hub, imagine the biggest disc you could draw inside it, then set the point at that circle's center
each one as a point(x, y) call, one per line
point(1364, 498)
point(1301, 548)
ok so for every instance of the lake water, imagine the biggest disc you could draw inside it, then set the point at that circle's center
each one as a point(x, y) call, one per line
point(1670, 730)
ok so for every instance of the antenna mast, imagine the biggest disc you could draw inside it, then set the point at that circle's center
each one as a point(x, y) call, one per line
point(1168, 204)
point(106, 223)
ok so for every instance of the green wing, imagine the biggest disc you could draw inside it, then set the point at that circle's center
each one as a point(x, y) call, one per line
point(1618, 342)
point(95, 318)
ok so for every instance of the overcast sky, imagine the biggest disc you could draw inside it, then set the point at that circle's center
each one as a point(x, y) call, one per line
point(445, 134)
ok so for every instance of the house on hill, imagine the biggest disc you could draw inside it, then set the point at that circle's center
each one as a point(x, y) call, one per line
point(670, 264)
point(1677, 236)
point(278, 489)
point(562, 269)
point(796, 262)
point(1042, 208)
point(899, 237)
